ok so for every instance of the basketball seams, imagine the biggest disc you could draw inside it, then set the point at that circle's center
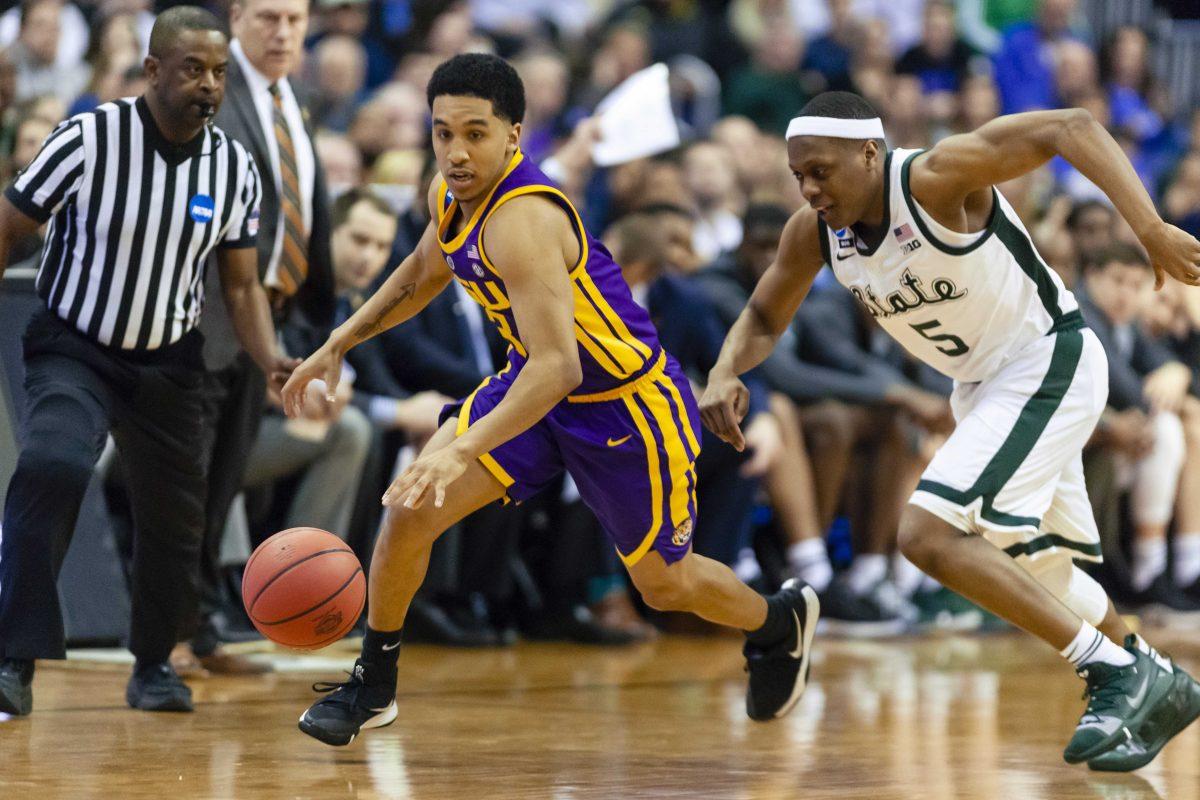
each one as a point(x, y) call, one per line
point(284, 552)
point(289, 568)
point(318, 605)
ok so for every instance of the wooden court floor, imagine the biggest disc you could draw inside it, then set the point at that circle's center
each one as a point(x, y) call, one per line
point(929, 718)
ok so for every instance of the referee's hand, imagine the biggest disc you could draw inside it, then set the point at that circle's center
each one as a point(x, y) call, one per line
point(325, 365)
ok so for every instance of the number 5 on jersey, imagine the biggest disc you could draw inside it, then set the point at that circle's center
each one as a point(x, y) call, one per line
point(954, 347)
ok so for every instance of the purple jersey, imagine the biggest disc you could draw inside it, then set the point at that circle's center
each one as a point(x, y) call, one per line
point(617, 342)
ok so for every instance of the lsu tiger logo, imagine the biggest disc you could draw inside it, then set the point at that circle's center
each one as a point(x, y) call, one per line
point(682, 533)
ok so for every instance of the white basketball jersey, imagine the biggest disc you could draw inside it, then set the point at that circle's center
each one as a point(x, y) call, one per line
point(962, 303)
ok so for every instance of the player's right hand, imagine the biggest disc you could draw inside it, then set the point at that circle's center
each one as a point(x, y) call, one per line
point(326, 365)
point(723, 407)
point(1173, 252)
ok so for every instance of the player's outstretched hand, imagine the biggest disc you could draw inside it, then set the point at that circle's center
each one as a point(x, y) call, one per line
point(723, 407)
point(431, 473)
point(326, 365)
point(1173, 252)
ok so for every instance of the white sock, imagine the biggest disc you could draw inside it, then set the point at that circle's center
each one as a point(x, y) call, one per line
point(1149, 561)
point(866, 571)
point(809, 561)
point(1187, 558)
point(1090, 646)
point(906, 575)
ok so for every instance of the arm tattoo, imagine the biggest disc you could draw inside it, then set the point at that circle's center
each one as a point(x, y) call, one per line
point(373, 327)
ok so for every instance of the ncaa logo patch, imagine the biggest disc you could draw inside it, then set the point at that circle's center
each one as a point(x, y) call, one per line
point(252, 223)
point(475, 265)
point(201, 208)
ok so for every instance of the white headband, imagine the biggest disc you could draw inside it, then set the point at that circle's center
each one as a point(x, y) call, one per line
point(836, 128)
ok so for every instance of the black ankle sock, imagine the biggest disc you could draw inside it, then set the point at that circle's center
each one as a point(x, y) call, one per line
point(381, 648)
point(778, 625)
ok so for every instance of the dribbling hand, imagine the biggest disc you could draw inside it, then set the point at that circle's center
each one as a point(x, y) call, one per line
point(431, 472)
point(723, 407)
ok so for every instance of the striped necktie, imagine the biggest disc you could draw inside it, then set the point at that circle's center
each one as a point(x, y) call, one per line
point(289, 274)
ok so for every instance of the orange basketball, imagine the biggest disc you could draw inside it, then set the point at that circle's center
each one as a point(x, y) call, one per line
point(304, 588)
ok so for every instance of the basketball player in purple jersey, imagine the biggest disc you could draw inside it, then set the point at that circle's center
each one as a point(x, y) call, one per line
point(588, 388)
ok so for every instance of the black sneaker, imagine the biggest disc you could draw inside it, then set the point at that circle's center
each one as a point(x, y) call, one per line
point(157, 688)
point(778, 674)
point(16, 686)
point(1178, 709)
point(1119, 701)
point(862, 616)
point(365, 701)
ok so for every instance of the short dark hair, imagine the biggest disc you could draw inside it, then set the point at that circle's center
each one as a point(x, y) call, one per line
point(1075, 218)
point(481, 75)
point(346, 202)
point(841, 105)
point(765, 215)
point(1118, 253)
point(174, 21)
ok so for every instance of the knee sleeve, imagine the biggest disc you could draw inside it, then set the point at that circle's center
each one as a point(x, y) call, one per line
point(1076, 589)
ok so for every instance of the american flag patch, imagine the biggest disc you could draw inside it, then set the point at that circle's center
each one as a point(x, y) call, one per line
point(903, 233)
point(472, 252)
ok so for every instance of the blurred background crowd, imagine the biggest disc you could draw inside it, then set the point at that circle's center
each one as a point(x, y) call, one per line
point(842, 422)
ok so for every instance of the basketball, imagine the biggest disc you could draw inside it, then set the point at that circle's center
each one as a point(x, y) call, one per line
point(303, 588)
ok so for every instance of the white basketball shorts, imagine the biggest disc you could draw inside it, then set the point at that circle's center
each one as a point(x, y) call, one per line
point(1012, 471)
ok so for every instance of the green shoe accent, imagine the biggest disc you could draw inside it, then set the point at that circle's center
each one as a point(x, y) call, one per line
point(1119, 701)
point(1178, 709)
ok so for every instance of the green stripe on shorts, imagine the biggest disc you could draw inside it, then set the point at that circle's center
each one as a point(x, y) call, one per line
point(1030, 424)
point(1046, 541)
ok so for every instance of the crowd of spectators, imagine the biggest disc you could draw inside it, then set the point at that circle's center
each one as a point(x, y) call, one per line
point(842, 422)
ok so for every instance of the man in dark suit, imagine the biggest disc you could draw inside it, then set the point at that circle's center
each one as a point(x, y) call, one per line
point(262, 112)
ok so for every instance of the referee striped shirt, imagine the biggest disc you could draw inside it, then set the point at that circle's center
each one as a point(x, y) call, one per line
point(133, 218)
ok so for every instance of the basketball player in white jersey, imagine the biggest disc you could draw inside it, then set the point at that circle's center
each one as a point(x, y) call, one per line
point(941, 261)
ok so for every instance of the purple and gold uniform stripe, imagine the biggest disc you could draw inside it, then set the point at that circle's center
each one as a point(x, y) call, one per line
point(629, 435)
point(616, 339)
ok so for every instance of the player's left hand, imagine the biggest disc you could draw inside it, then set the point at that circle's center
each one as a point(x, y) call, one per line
point(1173, 252)
point(429, 474)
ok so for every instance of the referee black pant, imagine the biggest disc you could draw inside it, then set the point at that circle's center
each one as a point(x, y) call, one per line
point(78, 392)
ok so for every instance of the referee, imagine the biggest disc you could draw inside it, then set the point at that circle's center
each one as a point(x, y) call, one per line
point(137, 194)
